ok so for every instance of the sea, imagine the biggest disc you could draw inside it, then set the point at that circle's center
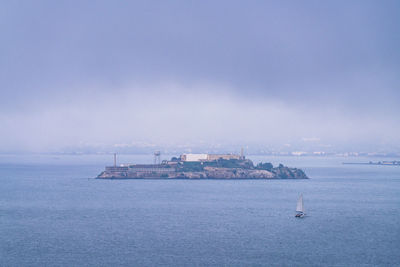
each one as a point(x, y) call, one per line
point(54, 213)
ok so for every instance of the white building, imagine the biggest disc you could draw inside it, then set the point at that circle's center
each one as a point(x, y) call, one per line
point(193, 157)
point(209, 157)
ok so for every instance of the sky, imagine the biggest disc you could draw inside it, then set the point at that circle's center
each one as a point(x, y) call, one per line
point(310, 75)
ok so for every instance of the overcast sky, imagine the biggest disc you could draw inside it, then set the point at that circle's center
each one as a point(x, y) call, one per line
point(206, 72)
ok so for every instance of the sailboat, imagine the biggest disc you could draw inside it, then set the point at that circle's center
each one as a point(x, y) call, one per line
point(300, 207)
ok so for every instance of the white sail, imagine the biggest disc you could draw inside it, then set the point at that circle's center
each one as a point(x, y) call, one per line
point(300, 205)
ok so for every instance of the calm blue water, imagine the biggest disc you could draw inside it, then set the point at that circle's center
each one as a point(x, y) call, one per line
point(53, 214)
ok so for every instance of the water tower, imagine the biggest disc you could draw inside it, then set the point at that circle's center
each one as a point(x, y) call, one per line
point(157, 157)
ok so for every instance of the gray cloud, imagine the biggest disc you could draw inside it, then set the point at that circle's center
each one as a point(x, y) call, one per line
point(186, 71)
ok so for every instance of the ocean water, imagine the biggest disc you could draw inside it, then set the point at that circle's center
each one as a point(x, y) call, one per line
point(53, 213)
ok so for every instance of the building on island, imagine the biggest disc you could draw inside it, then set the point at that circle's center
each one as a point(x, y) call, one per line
point(212, 157)
point(150, 168)
point(166, 167)
point(194, 157)
point(209, 157)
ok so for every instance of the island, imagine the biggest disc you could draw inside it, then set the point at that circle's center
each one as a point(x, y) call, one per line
point(202, 166)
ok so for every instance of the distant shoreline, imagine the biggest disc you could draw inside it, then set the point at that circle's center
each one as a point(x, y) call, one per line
point(381, 163)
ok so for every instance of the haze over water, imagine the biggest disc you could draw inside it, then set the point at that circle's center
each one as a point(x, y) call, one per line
point(310, 75)
point(80, 80)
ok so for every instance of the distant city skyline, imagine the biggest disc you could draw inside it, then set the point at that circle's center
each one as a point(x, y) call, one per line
point(287, 76)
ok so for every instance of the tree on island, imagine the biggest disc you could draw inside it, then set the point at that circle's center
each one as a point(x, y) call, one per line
point(264, 166)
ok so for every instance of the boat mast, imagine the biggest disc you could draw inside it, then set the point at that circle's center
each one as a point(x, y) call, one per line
point(300, 204)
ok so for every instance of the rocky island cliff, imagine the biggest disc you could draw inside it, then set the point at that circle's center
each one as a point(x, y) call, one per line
point(224, 167)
